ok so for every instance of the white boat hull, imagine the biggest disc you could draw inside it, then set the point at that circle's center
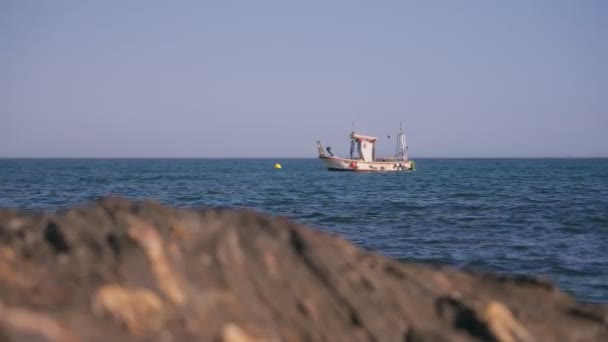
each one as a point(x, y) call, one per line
point(343, 164)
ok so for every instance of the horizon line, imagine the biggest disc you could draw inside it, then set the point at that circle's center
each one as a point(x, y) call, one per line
point(285, 157)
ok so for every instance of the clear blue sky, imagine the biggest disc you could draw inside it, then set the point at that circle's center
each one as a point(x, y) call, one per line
point(259, 79)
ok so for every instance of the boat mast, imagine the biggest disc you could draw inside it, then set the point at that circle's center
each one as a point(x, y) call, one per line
point(401, 151)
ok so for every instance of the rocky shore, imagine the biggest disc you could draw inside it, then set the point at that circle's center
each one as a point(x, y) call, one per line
point(117, 270)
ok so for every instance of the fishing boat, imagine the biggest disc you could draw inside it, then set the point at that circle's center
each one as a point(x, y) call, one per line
point(363, 156)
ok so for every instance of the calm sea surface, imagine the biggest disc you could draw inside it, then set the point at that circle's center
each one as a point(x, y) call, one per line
point(544, 216)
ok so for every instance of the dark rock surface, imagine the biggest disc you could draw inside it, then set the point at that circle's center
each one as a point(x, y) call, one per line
point(116, 270)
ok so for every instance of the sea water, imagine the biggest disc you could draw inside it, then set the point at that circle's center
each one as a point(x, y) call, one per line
point(531, 216)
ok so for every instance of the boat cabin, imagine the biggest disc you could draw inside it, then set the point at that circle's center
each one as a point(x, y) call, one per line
point(364, 145)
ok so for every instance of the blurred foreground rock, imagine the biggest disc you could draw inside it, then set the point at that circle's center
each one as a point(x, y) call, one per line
point(116, 270)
